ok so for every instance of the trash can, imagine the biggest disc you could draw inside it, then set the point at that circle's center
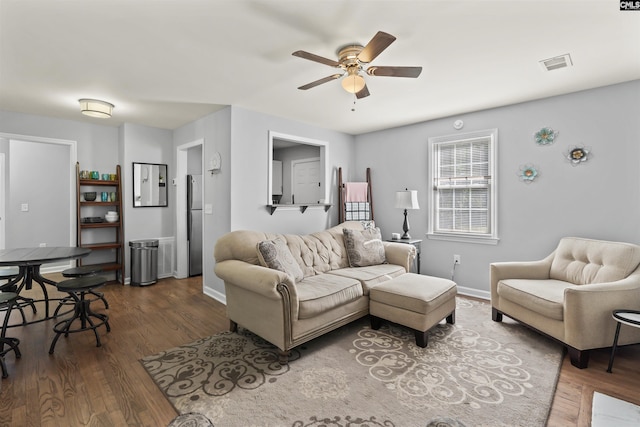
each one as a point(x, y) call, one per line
point(144, 262)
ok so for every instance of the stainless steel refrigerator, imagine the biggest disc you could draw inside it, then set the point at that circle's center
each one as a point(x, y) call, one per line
point(194, 223)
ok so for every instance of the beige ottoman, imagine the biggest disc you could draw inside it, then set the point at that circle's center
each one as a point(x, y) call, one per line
point(413, 300)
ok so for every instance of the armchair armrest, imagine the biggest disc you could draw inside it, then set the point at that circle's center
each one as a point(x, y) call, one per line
point(537, 270)
point(399, 254)
point(589, 308)
point(255, 278)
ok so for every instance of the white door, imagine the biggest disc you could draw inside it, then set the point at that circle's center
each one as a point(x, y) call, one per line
point(305, 181)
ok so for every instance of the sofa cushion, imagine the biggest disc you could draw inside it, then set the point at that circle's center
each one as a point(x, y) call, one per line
point(545, 297)
point(317, 253)
point(318, 294)
point(586, 261)
point(371, 275)
point(275, 254)
point(364, 247)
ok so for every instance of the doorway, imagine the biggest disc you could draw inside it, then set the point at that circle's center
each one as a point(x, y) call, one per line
point(2, 221)
point(38, 190)
point(186, 163)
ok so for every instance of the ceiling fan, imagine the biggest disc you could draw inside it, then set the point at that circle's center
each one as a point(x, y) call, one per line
point(352, 59)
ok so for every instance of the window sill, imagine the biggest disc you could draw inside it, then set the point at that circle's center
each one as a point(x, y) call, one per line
point(464, 239)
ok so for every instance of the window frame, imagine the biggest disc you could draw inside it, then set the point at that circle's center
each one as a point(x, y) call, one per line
point(490, 238)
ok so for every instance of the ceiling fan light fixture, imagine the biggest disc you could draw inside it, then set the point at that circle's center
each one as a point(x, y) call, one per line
point(353, 83)
point(95, 108)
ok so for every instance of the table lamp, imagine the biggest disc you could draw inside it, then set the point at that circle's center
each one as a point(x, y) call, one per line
point(407, 199)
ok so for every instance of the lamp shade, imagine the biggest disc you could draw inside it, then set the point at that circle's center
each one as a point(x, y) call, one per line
point(407, 199)
point(95, 108)
point(353, 83)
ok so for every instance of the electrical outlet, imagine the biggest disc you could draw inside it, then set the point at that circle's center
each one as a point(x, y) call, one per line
point(43, 245)
point(456, 259)
point(24, 207)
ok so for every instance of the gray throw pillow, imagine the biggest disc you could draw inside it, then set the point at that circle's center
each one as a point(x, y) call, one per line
point(364, 247)
point(275, 254)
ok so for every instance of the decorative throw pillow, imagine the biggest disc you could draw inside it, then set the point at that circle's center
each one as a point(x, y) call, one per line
point(364, 247)
point(275, 254)
point(368, 224)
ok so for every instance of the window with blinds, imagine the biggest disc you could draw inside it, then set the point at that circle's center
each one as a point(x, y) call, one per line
point(463, 196)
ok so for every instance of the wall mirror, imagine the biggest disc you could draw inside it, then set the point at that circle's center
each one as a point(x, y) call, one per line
point(149, 185)
point(298, 172)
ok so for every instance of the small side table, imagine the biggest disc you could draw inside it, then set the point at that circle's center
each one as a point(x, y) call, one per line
point(415, 242)
point(628, 317)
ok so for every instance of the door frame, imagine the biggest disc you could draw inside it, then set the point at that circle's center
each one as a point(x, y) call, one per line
point(3, 182)
point(182, 250)
point(73, 158)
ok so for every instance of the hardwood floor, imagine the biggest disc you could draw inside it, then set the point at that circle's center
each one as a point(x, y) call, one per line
point(81, 384)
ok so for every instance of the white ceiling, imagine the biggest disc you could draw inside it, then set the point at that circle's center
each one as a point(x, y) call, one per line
point(165, 63)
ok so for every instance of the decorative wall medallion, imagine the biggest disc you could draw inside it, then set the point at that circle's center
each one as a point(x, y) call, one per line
point(528, 173)
point(577, 155)
point(545, 136)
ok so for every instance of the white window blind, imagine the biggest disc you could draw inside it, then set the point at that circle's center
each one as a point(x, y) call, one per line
point(463, 196)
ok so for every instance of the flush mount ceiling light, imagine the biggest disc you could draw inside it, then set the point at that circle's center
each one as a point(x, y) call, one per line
point(95, 108)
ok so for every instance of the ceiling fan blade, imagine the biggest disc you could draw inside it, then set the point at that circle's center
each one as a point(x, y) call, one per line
point(319, 82)
point(316, 58)
point(364, 92)
point(378, 43)
point(412, 72)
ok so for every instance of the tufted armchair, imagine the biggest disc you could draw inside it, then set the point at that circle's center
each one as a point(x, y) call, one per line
point(570, 294)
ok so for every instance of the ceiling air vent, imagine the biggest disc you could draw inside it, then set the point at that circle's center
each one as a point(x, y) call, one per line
point(556, 62)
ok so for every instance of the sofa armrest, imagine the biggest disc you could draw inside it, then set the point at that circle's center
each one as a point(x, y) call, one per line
point(399, 254)
point(537, 270)
point(588, 308)
point(255, 278)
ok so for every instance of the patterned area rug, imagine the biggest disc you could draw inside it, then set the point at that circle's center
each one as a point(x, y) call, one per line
point(474, 373)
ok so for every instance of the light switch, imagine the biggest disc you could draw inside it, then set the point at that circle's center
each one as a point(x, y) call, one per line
point(208, 209)
point(24, 207)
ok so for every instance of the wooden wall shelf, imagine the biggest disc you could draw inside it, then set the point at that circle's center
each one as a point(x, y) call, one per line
point(272, 208)
point(86, 229)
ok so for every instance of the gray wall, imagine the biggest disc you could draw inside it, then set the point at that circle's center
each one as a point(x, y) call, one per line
point(147, 145)
point(249, 192)
point(215, 129)
point(96, 149)
point(598, 199)
point(239, 192)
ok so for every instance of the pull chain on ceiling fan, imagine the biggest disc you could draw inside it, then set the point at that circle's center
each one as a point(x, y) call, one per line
point(351, 60)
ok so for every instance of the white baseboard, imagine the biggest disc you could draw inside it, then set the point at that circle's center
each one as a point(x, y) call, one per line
point(218, 296)
point(471, 292)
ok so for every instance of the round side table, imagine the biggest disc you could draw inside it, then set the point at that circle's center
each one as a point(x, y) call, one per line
point(628, 317)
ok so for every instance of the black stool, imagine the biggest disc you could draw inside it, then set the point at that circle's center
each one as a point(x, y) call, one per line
point(9, 274)
point(10, 300)
point(83, 271)
point(77, 289)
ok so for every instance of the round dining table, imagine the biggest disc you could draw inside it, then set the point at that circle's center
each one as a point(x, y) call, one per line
point(29, 261)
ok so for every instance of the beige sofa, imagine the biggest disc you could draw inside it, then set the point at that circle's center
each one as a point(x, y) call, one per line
point(570, 295)
point(329, 293)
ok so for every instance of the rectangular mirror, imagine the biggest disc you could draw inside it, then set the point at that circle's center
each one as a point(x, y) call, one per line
point(297, 170)
point(149, 185)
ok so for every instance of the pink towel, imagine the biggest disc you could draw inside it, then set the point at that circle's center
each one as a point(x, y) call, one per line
point(356, 191)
